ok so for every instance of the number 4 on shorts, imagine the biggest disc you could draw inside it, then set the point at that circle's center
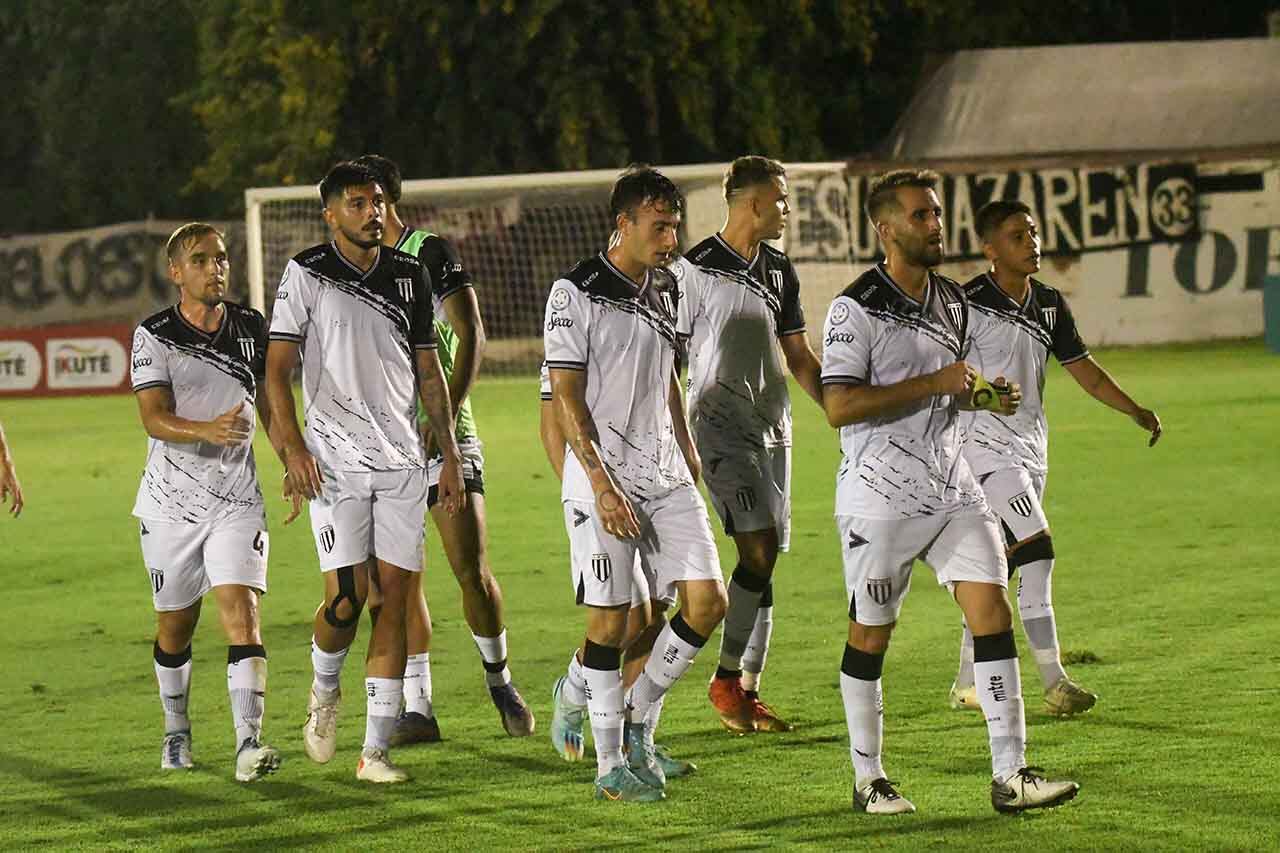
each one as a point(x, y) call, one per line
point(258, 544)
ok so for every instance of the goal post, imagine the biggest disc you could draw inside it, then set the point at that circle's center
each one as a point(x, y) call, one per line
point(515, 234)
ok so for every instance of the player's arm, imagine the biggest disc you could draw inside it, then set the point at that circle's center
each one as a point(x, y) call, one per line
point(10, 489)
point(433, 391)
point(569, 402)
point(680, 425)
point(1098, 384)
point(552, 438)
point(156, 406)
point(803, 363)
point(301, 468)
point(463, 311)
point(848, 402)
point(286, 489)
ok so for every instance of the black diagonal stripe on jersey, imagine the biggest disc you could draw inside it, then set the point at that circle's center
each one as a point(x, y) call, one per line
point(205, 487)
point(1019, 320)
point(942, 336)
point(235, 368)
point(655, 320)
point(378, 303)
point(766, 294)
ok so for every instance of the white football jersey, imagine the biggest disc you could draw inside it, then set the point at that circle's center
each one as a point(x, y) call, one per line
point(1014, 341)
point(733, 310)
point(908, 462)
point(623, 336)
point(359, 334)
point(208, 374)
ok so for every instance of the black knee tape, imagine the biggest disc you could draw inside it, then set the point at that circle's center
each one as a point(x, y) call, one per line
point(681, 629)
point(605, 658)
point(861, 665)
point(171, 661)
point(1040, 548)
point(991, 647)
point(748, 580)
point(235, 654)
point(346, 592)
point(766, 597)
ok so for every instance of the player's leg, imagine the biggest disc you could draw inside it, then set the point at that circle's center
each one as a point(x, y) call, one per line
point(877, 572)
point(968, 557)
point(644, 624)
point(171, 554)
point(757, 651)
point(752, 576)
point(418, 723)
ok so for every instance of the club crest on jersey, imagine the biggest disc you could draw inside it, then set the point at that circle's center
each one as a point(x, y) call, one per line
point(775, 278)
point(839, 313)
point(246, 348)
point(1050, 316)
point(406, 288)
point(956, 310)
point(157, 580)
point(601, 567)
point(560, 299)
point(880, 589)
point(746, 498)
point(1021, 504)
point(327, 538)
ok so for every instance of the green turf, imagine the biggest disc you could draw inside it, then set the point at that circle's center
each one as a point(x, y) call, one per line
point(1165, 581)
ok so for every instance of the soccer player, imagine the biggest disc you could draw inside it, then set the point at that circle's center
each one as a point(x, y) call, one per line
point(195, 373)
point(894, 379)
point(1016, 322)
point(628, 484)
point(740, 300)
point(359, 314)
point(464, 536)
point(10, 489)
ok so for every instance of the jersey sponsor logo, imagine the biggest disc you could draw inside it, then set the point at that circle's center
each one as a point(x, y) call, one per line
point(1050, 316)
point(282, 295)
point(405, 286)
point(579, 517)
point(746, 498)
point(956, 310)
point(327, 538)
point(839, 313)
point(560, 299)
point(601, 567)
point(144, 361)
point(880, 590)
point(560, 322)
point(157, 580)
point(1021, 504)
point(856, 541)
point(246, 348)
point(840, 338)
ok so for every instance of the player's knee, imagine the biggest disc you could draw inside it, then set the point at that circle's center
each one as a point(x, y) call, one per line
point(704, 609)
point(343, 609)
point(1033, 550)
point(870, 639)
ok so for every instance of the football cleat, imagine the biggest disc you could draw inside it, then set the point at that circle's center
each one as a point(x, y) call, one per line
point(253, 761)
point(517, 719)
point(731, 703)
point(880, 797)
point(638, 743)
point(621, 785)
point(1027, 789)
point(964, 698)
point(375, 766)
point(1066, 698)
point(672, 768)
point(175, 751)
point(568, 723)
point(320, 731)
point(412, 727)
point(764, 719)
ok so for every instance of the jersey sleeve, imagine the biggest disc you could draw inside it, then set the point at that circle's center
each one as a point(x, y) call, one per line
point(291, 311)
point(422, 326)
point(1067, 345)
point(150, 365)
point(689, 289)
point(565, 336)
point(444, 266)
point(847, 342)
point(544, 382)
point(791, 317)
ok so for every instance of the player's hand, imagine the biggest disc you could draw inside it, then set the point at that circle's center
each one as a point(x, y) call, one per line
point(229, 428)
point(617, 515)
point(956, 379)
point(1008, 395)
point(1149, 421)
point(453, 493)
point(289, 493)
point(10, 489)
point(303, 478)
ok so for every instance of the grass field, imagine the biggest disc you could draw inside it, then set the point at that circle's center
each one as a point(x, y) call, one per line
point(1166, 572)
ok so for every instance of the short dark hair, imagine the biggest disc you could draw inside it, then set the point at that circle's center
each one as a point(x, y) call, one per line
point(387, 172)
point(750, 171)
point(883, 192)
point(186, 235)
point(993, 214)
point(641, 184)
point(343, 175)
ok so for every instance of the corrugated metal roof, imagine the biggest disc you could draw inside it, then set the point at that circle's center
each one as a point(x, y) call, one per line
point(1148, 96)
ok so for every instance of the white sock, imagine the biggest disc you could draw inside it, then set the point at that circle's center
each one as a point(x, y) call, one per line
point(1000, 692)
point(739, 622)
point(328, 669)
point(1035, 607)
point(417, 685)
point(608, 714)
point(671, 658)
point(574, 690)
point(964, 676)
point(864, 715)
point(655, 714)
point(175, 691)
point(247, 687)
point(493, 650)
point(753, 659)
point(385, 696)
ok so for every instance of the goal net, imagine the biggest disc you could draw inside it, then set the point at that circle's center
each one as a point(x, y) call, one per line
point(517, 233)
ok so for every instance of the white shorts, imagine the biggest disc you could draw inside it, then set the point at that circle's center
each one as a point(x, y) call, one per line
point(1015, 495)
point(187, 560)
point(675, 544)
point(363, 513)
point(751, 491)
point(878, 554)
point(472, 451)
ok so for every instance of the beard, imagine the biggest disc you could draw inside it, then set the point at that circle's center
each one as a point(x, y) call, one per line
point(923, 254)
point(363, 239)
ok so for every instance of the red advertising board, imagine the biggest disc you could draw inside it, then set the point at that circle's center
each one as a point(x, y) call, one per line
point(62, 361)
